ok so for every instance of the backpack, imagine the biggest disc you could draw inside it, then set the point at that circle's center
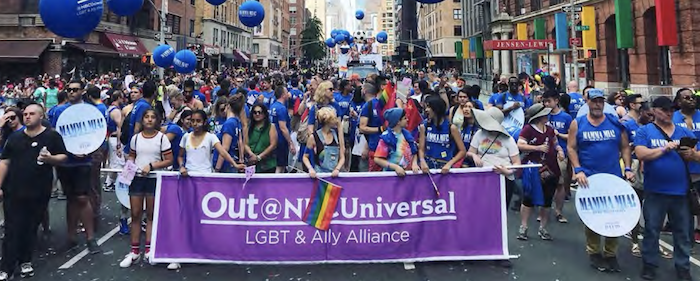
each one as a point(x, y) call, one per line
point(302, 131)
point(126, 134)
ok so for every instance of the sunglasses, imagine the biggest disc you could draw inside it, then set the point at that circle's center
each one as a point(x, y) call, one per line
point(257, 112)
point(70, 90)
point(12, 117)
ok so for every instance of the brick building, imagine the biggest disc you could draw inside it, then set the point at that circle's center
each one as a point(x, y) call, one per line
point(297, 20)
point(638, 66)
point(117, 44)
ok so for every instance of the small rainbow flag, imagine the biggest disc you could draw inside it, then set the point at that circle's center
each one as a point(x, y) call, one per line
point(322, 204)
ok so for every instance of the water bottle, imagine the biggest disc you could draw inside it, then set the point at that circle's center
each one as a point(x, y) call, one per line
point(43, 150)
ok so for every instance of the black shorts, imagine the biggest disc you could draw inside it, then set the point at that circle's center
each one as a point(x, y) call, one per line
point(142, 187)
point(75, 181)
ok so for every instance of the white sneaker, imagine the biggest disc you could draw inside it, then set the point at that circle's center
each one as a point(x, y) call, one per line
point(26, 270)
point(174, 266)
point(4, 276)
point(148, 258)
point(129, 259)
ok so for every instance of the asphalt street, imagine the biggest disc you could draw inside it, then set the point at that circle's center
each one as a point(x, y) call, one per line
point(562, 259)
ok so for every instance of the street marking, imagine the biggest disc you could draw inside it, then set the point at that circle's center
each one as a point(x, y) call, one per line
point(84, 253)
point(666, 245)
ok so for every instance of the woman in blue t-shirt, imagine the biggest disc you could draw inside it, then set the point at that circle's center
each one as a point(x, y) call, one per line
point(438, 138)
point(231, 135)
point(461, 116)
point(175, 131)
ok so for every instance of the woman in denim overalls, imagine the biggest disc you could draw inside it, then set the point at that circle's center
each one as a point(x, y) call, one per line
point(325, 151)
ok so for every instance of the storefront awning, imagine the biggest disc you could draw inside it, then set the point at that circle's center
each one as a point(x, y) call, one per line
point(94, 49)
point(125, 45)
point(240, 56)
point(22, 50)
point(517, 44)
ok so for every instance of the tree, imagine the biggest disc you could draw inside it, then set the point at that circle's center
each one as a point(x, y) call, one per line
point(313, 48)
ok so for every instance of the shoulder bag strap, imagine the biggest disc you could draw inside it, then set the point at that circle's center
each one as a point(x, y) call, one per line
point(687, 170)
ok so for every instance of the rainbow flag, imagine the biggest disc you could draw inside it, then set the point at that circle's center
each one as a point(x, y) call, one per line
point(322, 204)
point(387, 99)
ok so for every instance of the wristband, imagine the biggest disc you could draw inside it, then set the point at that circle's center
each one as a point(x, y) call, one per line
point(150, 166)
point(628, 169)
point(578, 170)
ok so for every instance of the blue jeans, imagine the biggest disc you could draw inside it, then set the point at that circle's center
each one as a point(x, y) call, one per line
point(655, 208)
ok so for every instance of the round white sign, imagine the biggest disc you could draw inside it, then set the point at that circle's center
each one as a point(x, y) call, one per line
point(83, 128)
point(609, 206)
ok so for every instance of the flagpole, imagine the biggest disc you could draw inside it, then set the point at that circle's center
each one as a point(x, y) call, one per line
point(319, 178)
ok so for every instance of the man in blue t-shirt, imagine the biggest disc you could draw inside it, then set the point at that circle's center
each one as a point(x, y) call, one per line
point(662, 147)
point(267, 96)
point(596, 142)
point(560, 121)
point(371, 122)
point(514, 97)
point(577, 100)
point(280, 117)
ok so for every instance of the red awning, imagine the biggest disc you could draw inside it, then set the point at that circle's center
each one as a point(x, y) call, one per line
point(126, 45)
point(517, 44)
point(242, 57)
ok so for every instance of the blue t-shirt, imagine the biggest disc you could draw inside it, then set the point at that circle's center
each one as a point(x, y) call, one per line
point(268, 98)
point(198, 95)
point(313, 109)
point(102, 108)
point(493, 100)
point(679, 120)
point(296, 95)
point(438, 142)
point(215, 125)
point(478, 103)
point(599, 146)
point(140, 108)
point(375, 121)
point(278, 112)
point(179, 132)
point(254, 94)
point(631, 127)
point(508, 97)
point(576, 103)
point(343, 103)
point(666, 174)
point(561, 122)
point(232, 127)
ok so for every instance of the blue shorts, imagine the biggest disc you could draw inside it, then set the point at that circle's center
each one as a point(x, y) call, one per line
point(282, 154)
point(141, 186)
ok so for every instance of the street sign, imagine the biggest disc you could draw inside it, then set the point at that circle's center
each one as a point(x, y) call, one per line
point(583, 28)
point(567, 9)
point(577, 16)
point(575, 42)
point(168, 36)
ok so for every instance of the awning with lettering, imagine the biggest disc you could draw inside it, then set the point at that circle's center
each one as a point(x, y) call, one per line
point(517, 44)
point(125, 45)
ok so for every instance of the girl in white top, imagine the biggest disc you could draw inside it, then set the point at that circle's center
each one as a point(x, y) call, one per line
point(198, 145)
point(150, 151)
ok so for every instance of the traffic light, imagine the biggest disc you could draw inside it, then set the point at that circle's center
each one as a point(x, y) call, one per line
point(591, 54)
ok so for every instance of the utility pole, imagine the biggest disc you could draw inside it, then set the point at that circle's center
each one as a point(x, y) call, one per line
point(410, 47)
point(574, 51)
point(163, 12)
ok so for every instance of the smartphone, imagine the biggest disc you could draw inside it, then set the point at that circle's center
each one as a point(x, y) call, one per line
point(688, 142)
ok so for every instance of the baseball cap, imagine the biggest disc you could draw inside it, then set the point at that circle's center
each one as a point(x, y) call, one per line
point(595, 93)
point(662, 102)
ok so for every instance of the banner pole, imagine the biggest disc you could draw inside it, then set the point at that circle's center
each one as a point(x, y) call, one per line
point(107, 170)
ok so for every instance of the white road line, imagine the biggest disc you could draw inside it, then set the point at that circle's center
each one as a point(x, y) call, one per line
point(667, 246)
point(84, 253)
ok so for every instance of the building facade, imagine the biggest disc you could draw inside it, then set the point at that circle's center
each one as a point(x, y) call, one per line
point(225, 40)
point(267, 50)
point(441, 26)
point(387, 23)
point(297, 20)
point(317, 9)
point(621, 47)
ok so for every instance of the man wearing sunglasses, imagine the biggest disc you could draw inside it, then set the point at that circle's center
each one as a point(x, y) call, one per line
point(689, 117)
point(74, 175)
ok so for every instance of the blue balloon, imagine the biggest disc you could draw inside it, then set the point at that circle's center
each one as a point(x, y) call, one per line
point(251, 13)
point(350, 39)
point(70, 19)
point(347, 35)
point(330, 42)
point(339, 38)
point(382, 36)
point(185, 61)
point(430, 1)
point(125, 8)
point(334, 33)
point(163, 56)
point(359, 14)
point(216, 2)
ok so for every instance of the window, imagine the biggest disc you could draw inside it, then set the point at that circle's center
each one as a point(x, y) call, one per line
point(293, 31)
point(256, 48)
point(192, 2)
point(191, 28)
point(457, 14)
point(293, 10)
point(216, 36)
point(292, 1)
point(223, 38)
point(292, 20)
point(458, 30)
point(535, 5)
point(176, 24)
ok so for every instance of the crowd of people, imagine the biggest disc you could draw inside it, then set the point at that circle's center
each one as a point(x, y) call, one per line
point(281, 122)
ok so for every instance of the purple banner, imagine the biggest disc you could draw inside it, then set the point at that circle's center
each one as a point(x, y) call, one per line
point(379, 218)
